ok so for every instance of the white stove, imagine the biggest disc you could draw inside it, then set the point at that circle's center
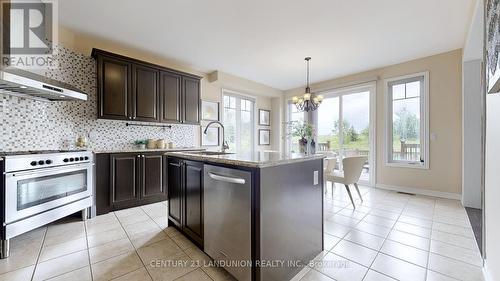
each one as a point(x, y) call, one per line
point(40, 187)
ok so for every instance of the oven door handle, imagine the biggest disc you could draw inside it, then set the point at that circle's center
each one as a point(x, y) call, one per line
point(50, 170)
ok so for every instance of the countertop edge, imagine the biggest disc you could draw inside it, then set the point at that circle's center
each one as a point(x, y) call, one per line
point(180, 149)
point(243, 163)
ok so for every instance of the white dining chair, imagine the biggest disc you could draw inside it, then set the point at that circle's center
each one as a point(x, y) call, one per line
point(329, 165)
point(352, 166)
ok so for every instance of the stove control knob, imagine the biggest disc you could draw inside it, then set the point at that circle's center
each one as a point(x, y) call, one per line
point(41, 162)
point(71, 159)
point(81, 158)
point(76, 158)
point(86, 158)
point(48, 162)
point(65, 160)
point(33, 163)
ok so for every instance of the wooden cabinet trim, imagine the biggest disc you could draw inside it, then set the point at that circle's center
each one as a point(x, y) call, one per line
point(98, 52)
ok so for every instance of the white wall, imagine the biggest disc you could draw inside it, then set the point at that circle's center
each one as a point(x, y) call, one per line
point(492, 187)
point(473, 108)
point(472, 122)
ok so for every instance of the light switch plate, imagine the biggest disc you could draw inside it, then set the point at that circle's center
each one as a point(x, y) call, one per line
point(316, 178)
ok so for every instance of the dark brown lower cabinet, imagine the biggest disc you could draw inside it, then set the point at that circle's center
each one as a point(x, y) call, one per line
point(185, 197)
point(174, 187)
point(152, 177)
point(125, 180)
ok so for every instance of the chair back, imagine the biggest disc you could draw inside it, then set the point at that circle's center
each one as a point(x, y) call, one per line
point(353, 166)
point(331, 162)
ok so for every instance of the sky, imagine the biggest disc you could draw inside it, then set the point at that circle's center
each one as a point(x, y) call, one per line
point(356, 111)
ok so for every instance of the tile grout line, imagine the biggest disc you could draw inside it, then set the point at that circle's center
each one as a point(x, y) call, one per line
point(385, 238)
point(179, 247)
point(352, 228)
point(39, 252)
point(383, 243)
point(68, 255)
point(135, 249)
point(88, 250)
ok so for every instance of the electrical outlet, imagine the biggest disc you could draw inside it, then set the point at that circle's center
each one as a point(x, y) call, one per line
point(316, 178)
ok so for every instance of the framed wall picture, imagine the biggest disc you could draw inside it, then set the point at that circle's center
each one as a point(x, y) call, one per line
point(209, 110)
point(264, 137)
point(264, 117)
point(211, 138)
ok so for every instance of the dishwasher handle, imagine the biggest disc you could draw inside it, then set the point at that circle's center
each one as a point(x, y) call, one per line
point(226, 179)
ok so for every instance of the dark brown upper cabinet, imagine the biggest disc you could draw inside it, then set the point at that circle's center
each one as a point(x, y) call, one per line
point(170, 95)
point(114, 83)
point(191, 100)
point(129, 89)
point(145, 94)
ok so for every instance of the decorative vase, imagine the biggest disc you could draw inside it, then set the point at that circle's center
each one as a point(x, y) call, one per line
point(303, 145)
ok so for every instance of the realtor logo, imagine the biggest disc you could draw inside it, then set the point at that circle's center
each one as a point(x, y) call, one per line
point(28, 33)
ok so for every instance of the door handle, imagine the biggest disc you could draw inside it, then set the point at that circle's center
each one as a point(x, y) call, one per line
point(226, 179)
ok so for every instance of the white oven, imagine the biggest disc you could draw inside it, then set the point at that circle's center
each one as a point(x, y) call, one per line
point(28, 193)
point(41, 187)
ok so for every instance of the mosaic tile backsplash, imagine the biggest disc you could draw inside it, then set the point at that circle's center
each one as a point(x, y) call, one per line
point(33, 125)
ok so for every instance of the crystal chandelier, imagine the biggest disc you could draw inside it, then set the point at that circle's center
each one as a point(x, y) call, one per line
point(308, 101)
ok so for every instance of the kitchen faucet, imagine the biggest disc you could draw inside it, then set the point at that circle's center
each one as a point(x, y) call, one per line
point(225, 145)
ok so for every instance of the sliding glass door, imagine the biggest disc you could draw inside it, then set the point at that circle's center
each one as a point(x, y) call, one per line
point(238, 120)
point(344, 125)
point(294, 116)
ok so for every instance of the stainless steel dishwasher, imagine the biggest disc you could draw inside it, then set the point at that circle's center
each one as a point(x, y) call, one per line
point(227, 218)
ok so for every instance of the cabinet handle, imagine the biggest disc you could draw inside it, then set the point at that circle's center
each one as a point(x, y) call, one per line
point(226, 179)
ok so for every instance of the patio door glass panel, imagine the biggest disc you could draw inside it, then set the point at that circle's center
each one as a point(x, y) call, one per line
point(329, 131)
point(356, 124)
point(344, 127)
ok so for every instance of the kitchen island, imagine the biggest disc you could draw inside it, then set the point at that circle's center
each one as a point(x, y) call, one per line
point(259, 215)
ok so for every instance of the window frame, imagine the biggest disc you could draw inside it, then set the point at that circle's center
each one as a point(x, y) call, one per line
point(289, 103)
point(240, 96)
point(424, 121)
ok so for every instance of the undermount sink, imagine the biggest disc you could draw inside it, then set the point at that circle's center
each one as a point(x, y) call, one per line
point(211, 153)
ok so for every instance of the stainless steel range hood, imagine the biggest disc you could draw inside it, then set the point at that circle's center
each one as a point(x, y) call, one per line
point(29, 85)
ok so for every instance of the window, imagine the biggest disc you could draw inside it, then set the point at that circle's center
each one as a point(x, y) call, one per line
point(238, 122)
point(294, 115)
point(407, 121)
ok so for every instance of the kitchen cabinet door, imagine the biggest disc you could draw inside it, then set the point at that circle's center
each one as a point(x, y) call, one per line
point(152, 177)
point(191, 100)
point(125, 183)
point(170, 96)
point(193, 200)
point(145, 98)
point(114, 80)
point(174, 191)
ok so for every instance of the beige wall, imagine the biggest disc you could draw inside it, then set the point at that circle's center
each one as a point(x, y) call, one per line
point(445, 77)
point(83, 44)
point(263, 99)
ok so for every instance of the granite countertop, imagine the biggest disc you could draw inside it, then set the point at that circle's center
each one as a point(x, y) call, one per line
point(134, 150)
point(253, 160)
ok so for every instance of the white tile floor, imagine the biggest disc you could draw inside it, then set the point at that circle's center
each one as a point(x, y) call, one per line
point(388, 237)
point(391, 236)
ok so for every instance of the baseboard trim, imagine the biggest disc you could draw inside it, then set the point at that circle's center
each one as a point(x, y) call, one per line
point(421, 191)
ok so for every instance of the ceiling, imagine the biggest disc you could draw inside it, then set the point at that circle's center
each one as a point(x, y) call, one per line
point(267, 40)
